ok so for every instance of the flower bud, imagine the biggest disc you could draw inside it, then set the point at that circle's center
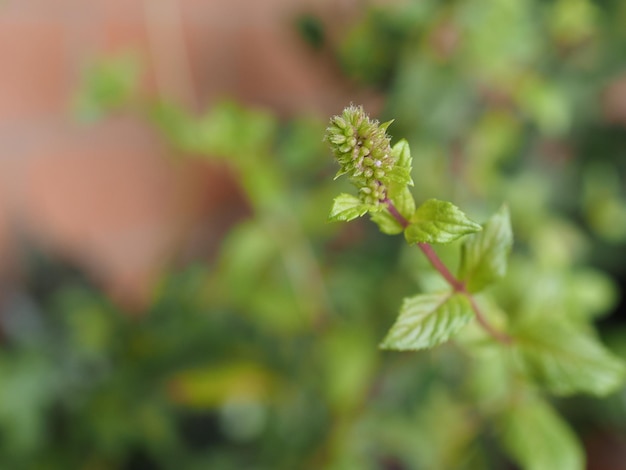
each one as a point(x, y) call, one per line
point(363, 150)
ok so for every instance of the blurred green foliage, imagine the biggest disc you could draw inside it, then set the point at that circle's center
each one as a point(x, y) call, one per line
point(109, 85)
point(267, 356)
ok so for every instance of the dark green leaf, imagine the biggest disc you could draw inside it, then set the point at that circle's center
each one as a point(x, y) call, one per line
point(484, 255)
point(567, 360)
point(438, 222)
point(538, 439)
point(427, 320)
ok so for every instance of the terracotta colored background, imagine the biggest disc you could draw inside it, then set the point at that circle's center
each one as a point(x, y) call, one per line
point(104, 196)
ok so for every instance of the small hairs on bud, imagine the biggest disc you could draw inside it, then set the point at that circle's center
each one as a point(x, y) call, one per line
point(363, 150)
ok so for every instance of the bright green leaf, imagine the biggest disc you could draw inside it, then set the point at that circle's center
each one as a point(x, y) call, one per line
point(402, 153)
point(386, 222)
point(538, 439)
point(403, 201)
point(438, 222)
point(427, 320)
point(347, 207)
point(567, 360)
point(401, 172)
point(484, 255)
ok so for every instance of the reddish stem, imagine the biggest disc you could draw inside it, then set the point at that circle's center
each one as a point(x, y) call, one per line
point(436, 262)
point(456, 284)
point(396, 213)
point(498, 335)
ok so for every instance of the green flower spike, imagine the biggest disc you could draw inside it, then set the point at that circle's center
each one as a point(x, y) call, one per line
point(363, 149)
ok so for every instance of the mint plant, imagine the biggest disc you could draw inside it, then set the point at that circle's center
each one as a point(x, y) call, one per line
point(290, 301)
point(533, 353)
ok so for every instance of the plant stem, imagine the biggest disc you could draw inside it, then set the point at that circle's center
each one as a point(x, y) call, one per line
point(498, 335)
point(396, 213)
point(436, 262)
point(456, 284)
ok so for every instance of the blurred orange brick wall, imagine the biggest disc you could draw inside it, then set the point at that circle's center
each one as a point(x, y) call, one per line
point(104, 196)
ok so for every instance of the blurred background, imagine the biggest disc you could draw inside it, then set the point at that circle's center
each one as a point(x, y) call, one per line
point(171, 295)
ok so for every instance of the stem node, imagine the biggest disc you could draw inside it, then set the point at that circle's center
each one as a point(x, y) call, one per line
point(456, 284)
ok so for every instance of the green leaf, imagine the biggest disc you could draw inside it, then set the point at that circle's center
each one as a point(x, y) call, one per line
point(427, 320)
point(567, 360)
point(347, 207)
point(108, 85)
point(538, 439)
point(484, 255)
point(441, 432)
point(234, 132)
point(438, 222)
point(403, 200)
point(176, 125)
point(386, 222)
point(401, 172)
